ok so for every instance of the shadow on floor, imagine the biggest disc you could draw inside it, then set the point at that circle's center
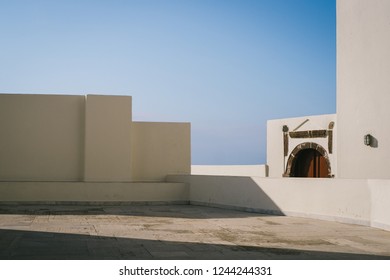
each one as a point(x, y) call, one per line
point(30, 245)
point(170, 211)
point(212, 196)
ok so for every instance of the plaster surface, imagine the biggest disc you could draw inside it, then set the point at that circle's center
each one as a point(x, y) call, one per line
point(159, 149)
point(92, 192)
point(276, 160)
point(230, 170)
point(86, 138)
point(107, 138)
point(363, 66)
point(353, 201)
point(42, 137)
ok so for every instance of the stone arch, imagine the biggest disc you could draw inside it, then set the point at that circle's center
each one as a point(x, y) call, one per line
point(302, 147)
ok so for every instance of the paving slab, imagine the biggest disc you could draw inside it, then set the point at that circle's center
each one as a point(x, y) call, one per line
point(178, 232)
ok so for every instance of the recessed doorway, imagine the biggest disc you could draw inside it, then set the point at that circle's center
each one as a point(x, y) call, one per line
point(310, 163)
point(309, 160)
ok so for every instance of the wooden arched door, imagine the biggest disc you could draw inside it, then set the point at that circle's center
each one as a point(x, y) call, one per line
point(310, 163)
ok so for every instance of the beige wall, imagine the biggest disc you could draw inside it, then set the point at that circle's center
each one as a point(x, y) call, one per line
point(94, 192)
point(108, 138)
point(159, 149)
point(363, 88)
point(346, 200)
point(86, 138)
point(276, 160)
point(42, 137)
point(230, 170)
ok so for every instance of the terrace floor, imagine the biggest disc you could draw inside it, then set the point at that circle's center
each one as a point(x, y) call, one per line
point(178, 232)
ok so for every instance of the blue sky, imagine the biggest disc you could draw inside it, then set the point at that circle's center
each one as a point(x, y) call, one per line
point(225, 66)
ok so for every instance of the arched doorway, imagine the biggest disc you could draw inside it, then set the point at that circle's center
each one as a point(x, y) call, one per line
point(309, 163)
point(308, 160)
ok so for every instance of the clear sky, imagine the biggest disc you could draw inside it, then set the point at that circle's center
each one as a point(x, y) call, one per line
point(225, 66)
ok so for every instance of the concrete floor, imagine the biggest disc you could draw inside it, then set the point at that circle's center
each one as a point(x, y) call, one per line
point(178, 232)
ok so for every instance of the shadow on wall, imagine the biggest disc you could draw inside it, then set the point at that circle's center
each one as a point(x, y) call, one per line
point(30, 245)
point(374, 142)
point(237, 193)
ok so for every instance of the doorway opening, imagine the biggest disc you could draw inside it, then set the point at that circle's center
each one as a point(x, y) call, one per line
point(308, 160)
point(310, 163)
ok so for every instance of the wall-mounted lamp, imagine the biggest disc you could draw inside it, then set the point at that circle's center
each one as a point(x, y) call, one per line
point(367, 139)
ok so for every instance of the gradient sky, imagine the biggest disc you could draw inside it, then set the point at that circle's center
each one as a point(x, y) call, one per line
point(225, 66)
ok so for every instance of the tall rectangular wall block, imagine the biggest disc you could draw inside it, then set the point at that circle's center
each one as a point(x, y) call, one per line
point(363, 88)
point(107, 138)
point(41, 137)
point(160, 149)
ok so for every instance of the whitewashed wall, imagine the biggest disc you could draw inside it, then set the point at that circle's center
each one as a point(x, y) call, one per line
point(363, 88)
point(356, 201)
point(230, 170)
point(276, 160)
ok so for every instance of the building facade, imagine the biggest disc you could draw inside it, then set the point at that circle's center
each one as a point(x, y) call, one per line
point(355, 143)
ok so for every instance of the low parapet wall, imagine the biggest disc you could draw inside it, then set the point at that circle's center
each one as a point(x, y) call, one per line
point(93, 192)
point(355, 201)
point(363, 202)
point(380, 206)
point(260, 170)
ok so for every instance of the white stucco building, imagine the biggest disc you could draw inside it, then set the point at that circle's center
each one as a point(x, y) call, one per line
point(302, 147)
point(363, 97)
point(346, 152)
point(76, 149)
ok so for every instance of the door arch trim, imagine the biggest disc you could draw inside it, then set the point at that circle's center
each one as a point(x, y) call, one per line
point(304, 146)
